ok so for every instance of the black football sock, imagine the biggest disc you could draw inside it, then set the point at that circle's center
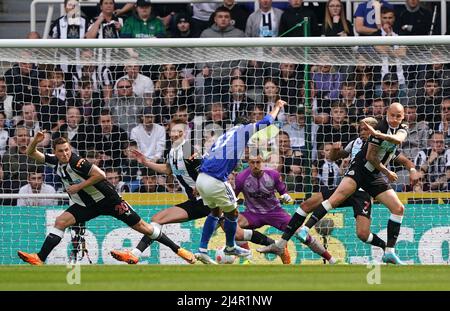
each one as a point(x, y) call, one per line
point(296, 221)
point(261, 239)
point(144, 243)
point(318, 214)
point(393, 229)
point(164, 239)
point(51, 241)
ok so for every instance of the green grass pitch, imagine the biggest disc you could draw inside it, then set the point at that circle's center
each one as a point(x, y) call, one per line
point(225, 277)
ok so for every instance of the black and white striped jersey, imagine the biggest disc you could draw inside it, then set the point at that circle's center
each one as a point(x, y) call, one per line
point(354, 147)
point(387, 151)
point(328, 173)
point(76, 171)
point(185, 170)
point(438, 167)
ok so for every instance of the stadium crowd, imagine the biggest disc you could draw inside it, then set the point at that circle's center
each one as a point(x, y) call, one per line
point(107, 111)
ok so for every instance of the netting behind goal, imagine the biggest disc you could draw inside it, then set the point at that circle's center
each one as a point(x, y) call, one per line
point(107, 101)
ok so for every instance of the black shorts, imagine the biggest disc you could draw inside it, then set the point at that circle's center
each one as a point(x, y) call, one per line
point(120, 210)
point(195, 209)
point(360, 201)
point(372, 184)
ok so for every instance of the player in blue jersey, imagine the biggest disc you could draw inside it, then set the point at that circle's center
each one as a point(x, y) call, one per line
point(214, 188)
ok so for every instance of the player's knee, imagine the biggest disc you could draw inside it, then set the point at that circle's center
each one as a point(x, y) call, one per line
point(216, 212)
point(306, 207)
point(233, 215)
point(363, 234)
point(398, 209)
point(157, 218)
point(62, 223)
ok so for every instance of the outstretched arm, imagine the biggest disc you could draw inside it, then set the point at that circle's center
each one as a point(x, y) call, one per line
point(278, 106)
point(159, 168)
point(31, 149)
point(397, 138)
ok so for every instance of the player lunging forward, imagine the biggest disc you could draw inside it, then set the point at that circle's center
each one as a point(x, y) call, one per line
point(212, 183)
point(185, 168)
point(360, 200)
point(91, 195)
point(364, 172)
point(263, 208)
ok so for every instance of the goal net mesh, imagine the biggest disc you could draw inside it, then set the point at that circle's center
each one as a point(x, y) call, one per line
point(107, 101)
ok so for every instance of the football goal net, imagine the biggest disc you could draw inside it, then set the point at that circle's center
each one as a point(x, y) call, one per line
point(110, 97)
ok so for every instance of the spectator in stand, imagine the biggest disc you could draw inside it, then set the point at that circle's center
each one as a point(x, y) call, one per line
point(294, 15)
point(336, 24)
point(166, 104)
point(114, 177)
point(434, 162)
point(51, 110)
point(6, 187)
point(74, 130)
point(21, 80)
point(327, 81)
point(328, 171)
point(107, 25)
point(201, 16)
point(257, 113)
point(4, 134)
point(143, 24)
point(15, 162)
point(439, 71)
point(142, 86)
point(445, 120)
point(289, 83)
point(29, 120)
point(149, 182)
point(288, 160)
point(167, 13)
point(295, 127)
point(221, 71)
point(264, 22)
point(390, 89)
point(429, 102)
point(6, 101)
point(365, 17)
point(364, 82)
point(239, 14)
point(378, 109)
point(271, 95)
point(89, 102)
point(183, 27)
point(71, 25)
point(236, 101)
point(150, 137)
point(109, 140)
point(170, 74)
point(217, 120)
point(415, 20)
point(62, 90)
point(347, 95)
point(100, 76)
point(390, 54)
point(125, 107)
point(36, 185)
point(222, 27)
point(338, 130)
point(417, 132)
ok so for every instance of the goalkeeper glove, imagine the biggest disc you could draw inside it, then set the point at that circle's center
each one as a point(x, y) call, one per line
point(286, 198)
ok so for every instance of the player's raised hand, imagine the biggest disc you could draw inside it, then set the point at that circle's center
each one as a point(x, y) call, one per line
point(371, 130)
point(280, 103)
point(39, 137)
point(139, 156)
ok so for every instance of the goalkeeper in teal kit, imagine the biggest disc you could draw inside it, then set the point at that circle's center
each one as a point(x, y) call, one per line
point(213, 187)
